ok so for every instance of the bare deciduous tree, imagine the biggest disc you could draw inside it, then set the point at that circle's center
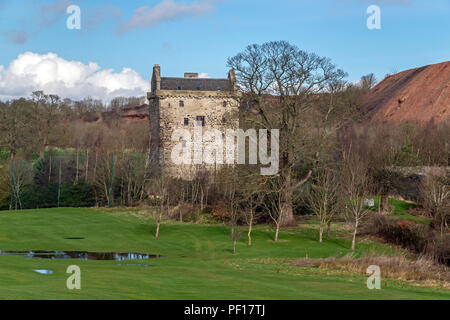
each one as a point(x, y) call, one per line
point(15, 127)
point(292, 77)
point(251, 198)
point(228, 181)
point(323, 199)
point(45, 116)
point(159, 197)
point(435, 197)
point(356, 185)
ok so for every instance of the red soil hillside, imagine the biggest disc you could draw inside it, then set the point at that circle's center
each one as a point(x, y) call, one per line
point(417, 95)
point(132, 114)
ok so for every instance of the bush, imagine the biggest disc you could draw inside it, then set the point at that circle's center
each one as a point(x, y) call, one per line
point(415, 237)
point(35, 196)
point(439, 249)
point(79, 194)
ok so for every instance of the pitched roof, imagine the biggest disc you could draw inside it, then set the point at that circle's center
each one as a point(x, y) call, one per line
point(201, 84)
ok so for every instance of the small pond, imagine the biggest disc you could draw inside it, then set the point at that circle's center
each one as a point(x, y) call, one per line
point(43, 271)
point(82, 255)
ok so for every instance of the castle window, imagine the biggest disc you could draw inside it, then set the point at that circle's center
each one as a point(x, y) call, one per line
point(186, 121)
point(181, 103)
point(201, 119)
point(224, 104)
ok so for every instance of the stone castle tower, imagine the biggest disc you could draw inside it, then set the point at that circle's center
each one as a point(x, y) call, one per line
point(181, 103)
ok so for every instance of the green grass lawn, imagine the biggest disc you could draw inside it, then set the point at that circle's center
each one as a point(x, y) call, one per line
point(198, 262)
point(400, 210)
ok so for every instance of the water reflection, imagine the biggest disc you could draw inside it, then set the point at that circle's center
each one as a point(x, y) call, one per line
point(135, 265)
point(82, 255)
point(43, 271)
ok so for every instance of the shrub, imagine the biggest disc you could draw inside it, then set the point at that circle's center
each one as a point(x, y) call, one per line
point(45, 196)
point(397, 267)
point(79, 194)
point(415, 237)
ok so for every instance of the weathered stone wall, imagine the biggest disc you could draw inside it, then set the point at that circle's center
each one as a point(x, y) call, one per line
point(406, 180)
point(217, 100)
point(154, 132)
point(219, 109)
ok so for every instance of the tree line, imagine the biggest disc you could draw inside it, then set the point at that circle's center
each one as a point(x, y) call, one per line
point(332, 158)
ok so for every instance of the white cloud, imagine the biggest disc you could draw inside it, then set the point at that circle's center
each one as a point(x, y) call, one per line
point(68, 79)
point(145, 16)
point(204, 75)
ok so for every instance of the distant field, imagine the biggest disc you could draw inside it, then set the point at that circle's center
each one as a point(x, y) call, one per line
point(197, 263)
point(400, 210)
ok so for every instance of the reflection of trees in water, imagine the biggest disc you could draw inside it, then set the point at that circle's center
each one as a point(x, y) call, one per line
point(82, 255)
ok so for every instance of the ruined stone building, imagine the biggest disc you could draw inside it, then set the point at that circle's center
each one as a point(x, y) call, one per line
point(181, 103)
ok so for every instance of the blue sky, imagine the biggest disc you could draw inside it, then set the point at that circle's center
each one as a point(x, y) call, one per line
point(198, 36)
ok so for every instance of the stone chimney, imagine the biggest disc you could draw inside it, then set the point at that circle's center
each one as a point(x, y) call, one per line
point(156, 78)
point(191, 75)
point(232, 78)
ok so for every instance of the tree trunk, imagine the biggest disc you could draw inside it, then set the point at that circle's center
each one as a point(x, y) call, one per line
point(95, 164)
point(384, 203)
point(106, 192)
point(287, 212)
point(250, 226)
point(76, 174)
point(50, 170)
point(328, 229)
point(157, 230)
point(320, 233)
point(354, 236)
point(277, 233)
point(87, 164)
point(288, 219)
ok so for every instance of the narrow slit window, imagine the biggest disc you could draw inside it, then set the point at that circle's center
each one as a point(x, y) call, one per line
point(186, 121)
point(201, 120)
point(181, 103)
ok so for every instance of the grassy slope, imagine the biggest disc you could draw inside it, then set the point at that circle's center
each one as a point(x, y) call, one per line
point(400, 210)
point(198, 263)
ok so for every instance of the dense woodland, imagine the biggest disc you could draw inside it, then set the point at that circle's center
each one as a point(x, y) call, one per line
point(56, 151)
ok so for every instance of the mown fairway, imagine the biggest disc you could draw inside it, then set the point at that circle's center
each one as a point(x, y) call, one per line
point(198, 262)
